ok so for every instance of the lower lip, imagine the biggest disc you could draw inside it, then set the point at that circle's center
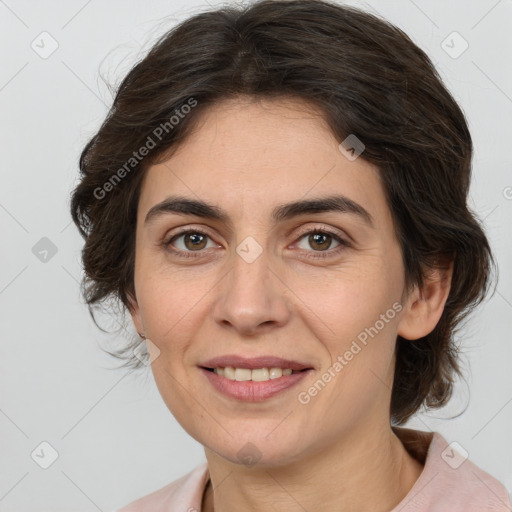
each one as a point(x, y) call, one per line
point(252, 391)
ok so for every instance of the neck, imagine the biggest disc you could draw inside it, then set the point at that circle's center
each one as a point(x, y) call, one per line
point(365, 471)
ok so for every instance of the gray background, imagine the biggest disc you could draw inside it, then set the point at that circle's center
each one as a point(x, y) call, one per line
point(115, 438)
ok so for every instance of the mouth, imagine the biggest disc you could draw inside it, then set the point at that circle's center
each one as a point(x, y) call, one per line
point(254, 363)
point(255, 375)
point(253, 380)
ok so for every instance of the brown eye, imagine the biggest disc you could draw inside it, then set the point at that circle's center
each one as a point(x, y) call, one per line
point(189, 241)
point(195, 241)
point(321, 242)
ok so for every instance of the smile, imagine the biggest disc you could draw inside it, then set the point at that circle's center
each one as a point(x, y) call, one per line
point(254, 385)
point(258, 374)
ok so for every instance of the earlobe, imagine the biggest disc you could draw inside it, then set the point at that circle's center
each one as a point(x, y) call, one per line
point(424, 306)
point(135, 314)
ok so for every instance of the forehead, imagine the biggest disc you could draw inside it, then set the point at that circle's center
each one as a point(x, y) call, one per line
point(246, 155)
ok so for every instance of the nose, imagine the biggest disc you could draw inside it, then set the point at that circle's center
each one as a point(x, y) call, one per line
point(252, 298)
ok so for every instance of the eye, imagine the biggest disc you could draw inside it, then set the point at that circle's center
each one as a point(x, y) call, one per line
point(192, 240)
point(187, 242)
point(320, 240)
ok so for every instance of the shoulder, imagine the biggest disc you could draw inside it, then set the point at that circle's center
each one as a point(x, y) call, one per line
point(451, 481)
point(183, 494)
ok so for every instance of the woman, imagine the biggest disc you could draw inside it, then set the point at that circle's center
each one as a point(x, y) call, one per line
point(278, 199)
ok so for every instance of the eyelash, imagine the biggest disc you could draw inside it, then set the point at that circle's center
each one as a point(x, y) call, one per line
point(315, 231)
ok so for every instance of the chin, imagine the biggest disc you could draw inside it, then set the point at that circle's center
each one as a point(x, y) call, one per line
point(261, 453)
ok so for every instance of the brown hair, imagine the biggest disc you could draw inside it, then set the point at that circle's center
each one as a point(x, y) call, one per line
point(369, 80)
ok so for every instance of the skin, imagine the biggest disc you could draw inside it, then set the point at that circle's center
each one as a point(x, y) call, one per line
point(247, 157)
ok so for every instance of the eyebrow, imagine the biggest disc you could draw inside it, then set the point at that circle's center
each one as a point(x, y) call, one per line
point(186, 206)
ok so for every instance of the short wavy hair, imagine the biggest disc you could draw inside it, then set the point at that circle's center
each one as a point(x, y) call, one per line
point(368, 79)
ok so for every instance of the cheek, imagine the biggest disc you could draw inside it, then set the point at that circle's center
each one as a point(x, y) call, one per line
point(172, 304)
point(360, 374)
point(357, 317)
point(346, 301)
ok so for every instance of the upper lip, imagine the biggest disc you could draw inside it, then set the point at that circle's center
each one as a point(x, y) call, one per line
point(253, 362)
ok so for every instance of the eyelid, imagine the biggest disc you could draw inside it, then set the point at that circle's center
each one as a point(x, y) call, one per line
point(324, 229)
point(184, 230)
point(302, 231)
point(307, 230)
point(329, 253)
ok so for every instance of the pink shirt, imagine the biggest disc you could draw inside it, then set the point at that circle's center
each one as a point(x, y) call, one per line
point(448, 483)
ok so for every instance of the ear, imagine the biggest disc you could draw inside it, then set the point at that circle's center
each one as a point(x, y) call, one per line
point(424, 306)
point(135, 314)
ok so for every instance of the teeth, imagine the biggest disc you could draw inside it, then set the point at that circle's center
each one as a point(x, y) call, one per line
point(260, 374)
point(242, 374)
point(229, 373)
point(257, 375)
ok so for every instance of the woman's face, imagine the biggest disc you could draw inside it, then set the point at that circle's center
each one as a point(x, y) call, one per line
point(253, 283)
